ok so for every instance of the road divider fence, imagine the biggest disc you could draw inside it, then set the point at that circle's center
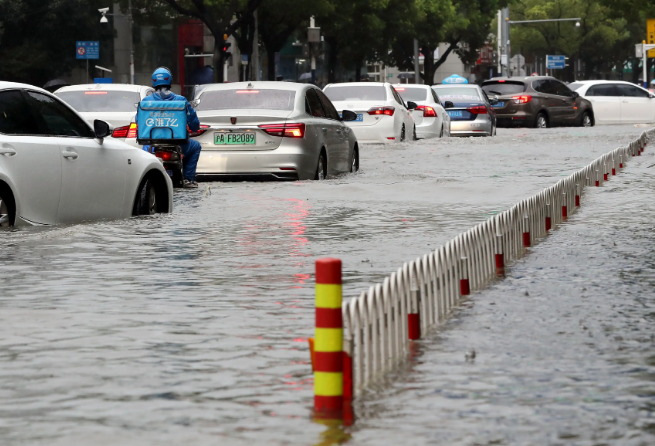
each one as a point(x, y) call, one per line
point(380, 323)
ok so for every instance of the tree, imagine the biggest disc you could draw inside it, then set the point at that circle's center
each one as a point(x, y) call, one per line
point(37, 37)
point(222, 17)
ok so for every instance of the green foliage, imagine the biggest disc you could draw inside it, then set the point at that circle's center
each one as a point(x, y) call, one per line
point(37, 37)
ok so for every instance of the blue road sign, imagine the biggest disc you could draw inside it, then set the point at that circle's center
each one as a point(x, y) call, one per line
point(87, 49)
point(555, 62)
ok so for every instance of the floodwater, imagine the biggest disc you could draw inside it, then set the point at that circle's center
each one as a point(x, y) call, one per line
point(193, 326)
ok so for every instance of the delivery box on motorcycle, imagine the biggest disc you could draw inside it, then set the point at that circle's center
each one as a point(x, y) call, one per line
point(162, 122)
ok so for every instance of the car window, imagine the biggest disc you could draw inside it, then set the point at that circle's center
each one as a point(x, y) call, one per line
point(100, 101)
point(575, 85)
point(396, 96)
point(16, 117)
point(246, 99)
point(632, 91)
point(412, 93)
point(315, 107)
point(330, 111)
point(356, 93)
point(56, 119)
point(547, 86)
point(435, 97)
point(503, 87)
point(485, 97)
point(457, 94)
point(602, 90)
point(561, 89)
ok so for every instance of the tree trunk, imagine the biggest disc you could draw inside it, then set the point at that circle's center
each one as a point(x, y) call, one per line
point(358, 72)
point(270, 55)
point(442, 58)
point(332, 59)
point(428, 64)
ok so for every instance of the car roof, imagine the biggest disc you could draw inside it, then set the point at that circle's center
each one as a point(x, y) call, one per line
point(350, 84)
point(4, 85)
point(106, 87)
point(262, 85)
point(411, 86)
point(601, 81)
point(456, 85)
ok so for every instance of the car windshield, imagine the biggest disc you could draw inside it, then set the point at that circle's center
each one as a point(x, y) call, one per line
point(504, 87)
point(356, 93)
point(575, 85)
point(412, 93)
point(458, 94)
point(246, 99)
point(100, 101)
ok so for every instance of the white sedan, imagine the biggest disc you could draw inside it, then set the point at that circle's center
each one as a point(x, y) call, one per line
point(55, 168)
point(382, 115)
point(114, 103)
point(617, 102)
point(430, 117)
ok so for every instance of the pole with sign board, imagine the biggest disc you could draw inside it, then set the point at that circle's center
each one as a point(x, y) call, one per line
point(86, 49)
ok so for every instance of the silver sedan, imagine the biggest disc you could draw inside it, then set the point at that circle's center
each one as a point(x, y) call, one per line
point(272, 130)
point(470, 110)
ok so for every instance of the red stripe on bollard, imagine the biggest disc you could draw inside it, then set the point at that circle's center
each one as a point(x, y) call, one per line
point(577, 201)
point(565, 213)
point(328, 271)
point(328, 406)
point(597, 183)
point(329, 318)
point(464, 288)
point(328, 361)
point(414, 326)
point(500, 261)
point(620, 165)
point(526, 239)
point(347, 376)
point(548, 224)
point(613, 171)
point(605, 177)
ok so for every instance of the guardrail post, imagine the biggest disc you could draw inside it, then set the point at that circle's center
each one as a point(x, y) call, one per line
point(597, 178)
point(526, 232)
point(620, 161)
point(464, 287)
point(328, 339)
point(500, 256)
point(605, 172)
point(577, 195)
point(413, 316)
point(565, 213)
point(549, 223)
point(348, 392)
point(613, 165)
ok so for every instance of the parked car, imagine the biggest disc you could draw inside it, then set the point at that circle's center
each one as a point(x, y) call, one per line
point(272, 130)
point(382, 115)
point(430, 117)
point(537, 101)
point(56, 168)
point(469, 108)
point(616, 102)
point(114, 103)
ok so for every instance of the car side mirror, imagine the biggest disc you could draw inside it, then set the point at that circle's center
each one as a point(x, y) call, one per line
point(448, 104)
point(494, 100)
point(101, 129)
point(411, 105)
point(347, 116)
point(194, 103)
point(575, 94)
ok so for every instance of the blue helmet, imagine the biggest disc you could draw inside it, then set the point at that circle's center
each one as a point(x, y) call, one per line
point(162, 76)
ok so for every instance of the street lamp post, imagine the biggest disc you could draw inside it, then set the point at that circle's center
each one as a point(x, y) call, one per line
point(103, 19)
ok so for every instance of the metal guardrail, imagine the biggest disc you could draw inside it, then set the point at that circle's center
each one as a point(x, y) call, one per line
point(379, 324)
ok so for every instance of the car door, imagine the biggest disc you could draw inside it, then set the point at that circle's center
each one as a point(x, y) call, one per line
point(327, 127)
point(636, 104)
point(404, 114)
point(93, 174)
point(341, 141)
point(567, 106)
point(442, 115)
point(552, 102)
point(30, 158)
point(606, 102)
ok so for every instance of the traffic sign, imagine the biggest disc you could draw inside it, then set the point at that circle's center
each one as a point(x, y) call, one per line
point(650, 35)
point(87, 50)
point(555, 62)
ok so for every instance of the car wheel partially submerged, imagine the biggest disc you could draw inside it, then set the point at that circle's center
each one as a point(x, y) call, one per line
point(541, 122)
point(321, 167)
point(6, 210)
point(587, 120)
point(402, 133)
point(146, 199)
point(354, 167)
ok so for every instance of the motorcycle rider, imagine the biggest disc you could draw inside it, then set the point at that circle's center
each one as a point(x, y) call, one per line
point(161, 82)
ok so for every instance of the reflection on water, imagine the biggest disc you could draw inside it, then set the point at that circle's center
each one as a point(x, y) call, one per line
point(192, 327)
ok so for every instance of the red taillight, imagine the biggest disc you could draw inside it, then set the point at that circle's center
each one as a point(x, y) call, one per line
point(428, 112)
point(247, 91)
point(120, 132)
point(203, 128)
point(522, 99)
point(132, 132)
point(381, 111)
point(285, 130)
point(477, 110)
point(166, 155)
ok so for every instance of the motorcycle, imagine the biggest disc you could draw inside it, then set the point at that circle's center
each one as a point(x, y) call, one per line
point(171, 157)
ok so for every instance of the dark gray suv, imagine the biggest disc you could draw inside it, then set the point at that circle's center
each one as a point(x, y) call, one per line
point(537, 101)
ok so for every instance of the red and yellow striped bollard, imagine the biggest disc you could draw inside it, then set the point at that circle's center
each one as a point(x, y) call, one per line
point(328, 339)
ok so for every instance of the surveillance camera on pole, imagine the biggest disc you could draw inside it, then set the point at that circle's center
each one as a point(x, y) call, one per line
point(104, 12)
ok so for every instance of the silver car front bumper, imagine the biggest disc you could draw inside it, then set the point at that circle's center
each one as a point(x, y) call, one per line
point(481, 126)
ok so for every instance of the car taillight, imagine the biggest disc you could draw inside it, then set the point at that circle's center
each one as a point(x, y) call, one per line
point(285, 130)
point(428, 112)
point(120, 132)
point(522, 99)
point(477, 110)
point(203, 128)
point(381, 111)
point(132, 131)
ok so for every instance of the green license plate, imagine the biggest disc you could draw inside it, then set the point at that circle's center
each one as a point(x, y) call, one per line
point(234, 139)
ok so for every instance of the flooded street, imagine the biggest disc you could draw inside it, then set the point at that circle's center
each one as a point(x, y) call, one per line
point(193, 326)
